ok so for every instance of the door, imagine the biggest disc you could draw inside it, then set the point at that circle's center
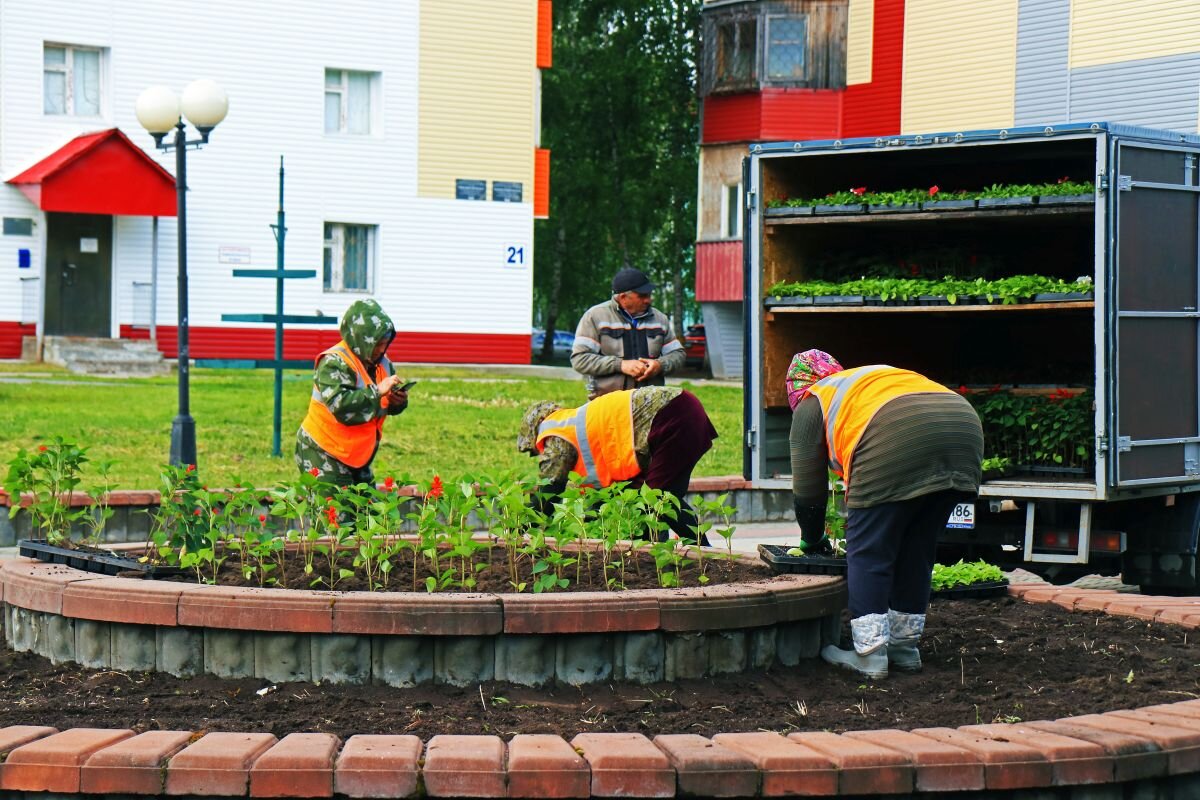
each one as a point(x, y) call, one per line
point(78, 275)
point(1155, 302)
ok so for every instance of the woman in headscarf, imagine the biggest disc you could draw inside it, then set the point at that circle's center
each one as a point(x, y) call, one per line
point(908, 450)
point(654, 436)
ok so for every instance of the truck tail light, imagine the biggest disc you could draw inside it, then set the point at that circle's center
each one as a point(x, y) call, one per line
point(1102, 541)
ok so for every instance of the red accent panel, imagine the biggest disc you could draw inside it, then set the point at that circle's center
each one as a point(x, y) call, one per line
point(100, 173)
point(873, 109)
point(306, 343)
point(545, 38)
point(11, 334)
point(541, 183)
point(718, 271)
point(772, 114)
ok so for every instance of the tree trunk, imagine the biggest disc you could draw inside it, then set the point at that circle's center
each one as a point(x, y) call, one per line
point(553, 300)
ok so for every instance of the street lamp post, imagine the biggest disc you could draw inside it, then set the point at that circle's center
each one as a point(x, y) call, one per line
point(205, 104)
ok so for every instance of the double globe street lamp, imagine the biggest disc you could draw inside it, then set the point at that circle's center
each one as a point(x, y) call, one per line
point(205, 104)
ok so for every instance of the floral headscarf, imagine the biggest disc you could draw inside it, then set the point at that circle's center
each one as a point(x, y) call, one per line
point(806, 369)
point(534, 416)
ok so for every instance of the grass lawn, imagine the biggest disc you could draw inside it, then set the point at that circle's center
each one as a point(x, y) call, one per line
point(458, 421)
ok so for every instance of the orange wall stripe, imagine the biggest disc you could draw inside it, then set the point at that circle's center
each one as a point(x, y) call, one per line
point(545, 27)
point(541, 183)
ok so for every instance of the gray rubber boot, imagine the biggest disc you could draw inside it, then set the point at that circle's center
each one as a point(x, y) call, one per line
point(904, 635)
point(869, 656)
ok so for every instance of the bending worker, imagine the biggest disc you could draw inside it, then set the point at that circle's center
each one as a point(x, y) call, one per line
point(653, 436)
point(354, 391)
point(908, 450)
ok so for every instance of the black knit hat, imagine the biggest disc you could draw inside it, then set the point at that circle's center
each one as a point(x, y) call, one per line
point(631, 280)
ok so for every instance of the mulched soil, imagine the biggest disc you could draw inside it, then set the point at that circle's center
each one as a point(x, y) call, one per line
point(586, 574)
point(986, 660)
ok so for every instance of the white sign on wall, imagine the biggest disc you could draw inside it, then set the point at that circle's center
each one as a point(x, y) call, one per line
point(233, 254)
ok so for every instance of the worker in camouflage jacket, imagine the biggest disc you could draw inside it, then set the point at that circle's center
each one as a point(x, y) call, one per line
point(354, 390)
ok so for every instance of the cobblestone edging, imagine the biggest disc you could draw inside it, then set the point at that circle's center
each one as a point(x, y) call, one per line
point(130, 521)
point(407, 639)
point(1151, 752)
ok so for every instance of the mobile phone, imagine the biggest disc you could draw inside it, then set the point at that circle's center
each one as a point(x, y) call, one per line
point(406, 386)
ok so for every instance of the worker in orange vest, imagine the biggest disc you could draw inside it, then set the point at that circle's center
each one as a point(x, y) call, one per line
point(354, 390)
point(652, 436)
point(908, 450)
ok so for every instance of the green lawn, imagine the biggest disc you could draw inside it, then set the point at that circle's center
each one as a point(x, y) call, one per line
point(458, 421)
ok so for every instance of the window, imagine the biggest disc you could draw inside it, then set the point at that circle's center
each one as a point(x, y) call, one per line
point(348, 101)
point(787, 41)
point(733, 211)
point(70, 80)
point(736, 52)
point(349, 257)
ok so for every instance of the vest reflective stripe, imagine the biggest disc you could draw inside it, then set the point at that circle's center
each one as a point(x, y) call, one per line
point(351, 444)
point(601, 432)
point(866, 390)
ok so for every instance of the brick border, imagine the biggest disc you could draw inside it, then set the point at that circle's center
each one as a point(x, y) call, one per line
point(1152, 749)
point(406, 639)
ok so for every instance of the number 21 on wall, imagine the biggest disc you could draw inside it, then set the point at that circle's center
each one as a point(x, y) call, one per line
point(514, 256)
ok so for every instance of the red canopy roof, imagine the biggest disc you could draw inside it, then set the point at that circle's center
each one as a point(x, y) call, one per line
point(99, 173)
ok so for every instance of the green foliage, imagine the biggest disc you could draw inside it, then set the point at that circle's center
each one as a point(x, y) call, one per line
point(1006, 291)
point(44, 481)
point(362, 530)
point(862, 195)
point(620, 116)
point(1054, 430)
point(964, 574)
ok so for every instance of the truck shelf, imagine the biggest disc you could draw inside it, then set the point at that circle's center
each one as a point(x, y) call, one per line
point(956, 309)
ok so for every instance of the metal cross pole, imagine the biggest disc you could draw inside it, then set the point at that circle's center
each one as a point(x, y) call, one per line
point(278, 364)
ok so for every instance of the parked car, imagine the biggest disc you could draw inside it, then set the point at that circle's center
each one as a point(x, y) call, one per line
point(563, 342)
point(695, 345)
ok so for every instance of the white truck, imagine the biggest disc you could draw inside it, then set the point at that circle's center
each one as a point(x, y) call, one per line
point(1132, 504)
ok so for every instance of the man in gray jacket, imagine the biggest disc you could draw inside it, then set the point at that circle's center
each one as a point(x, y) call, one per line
point(625, 343)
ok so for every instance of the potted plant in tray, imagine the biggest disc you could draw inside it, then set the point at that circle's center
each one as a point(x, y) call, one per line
point(967, 579)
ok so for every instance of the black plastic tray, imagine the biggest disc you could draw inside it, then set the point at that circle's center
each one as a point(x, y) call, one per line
point(974, 590)
point(104, 564)
point(779, 561)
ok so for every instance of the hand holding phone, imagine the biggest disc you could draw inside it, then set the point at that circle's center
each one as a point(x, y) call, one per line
point(405, 387)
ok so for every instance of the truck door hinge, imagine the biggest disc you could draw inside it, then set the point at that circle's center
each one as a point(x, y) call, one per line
point(751, 200)
point(1124, 183)
point(1102, 444)
point(1102, 182)
point(1124, 444)
point(752, 438)
point(1191, 466)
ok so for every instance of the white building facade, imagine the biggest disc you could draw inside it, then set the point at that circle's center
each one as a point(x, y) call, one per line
point(409, 133)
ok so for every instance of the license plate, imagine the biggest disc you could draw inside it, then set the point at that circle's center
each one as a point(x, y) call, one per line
point(963, 516)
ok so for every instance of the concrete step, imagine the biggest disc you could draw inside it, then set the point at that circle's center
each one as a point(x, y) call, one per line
point(89, 356)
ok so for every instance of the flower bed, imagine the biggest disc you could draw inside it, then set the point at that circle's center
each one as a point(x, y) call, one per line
point(1153, 751)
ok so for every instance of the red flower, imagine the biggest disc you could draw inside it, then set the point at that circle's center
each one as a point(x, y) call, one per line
point(933, 190)
point(389, 483)
point(191, 468)
point(196, 512)
point(331, 514)
point(860, 191)
point(41, 448)
point(435, 488)
point(316, 473)
point(262, 519)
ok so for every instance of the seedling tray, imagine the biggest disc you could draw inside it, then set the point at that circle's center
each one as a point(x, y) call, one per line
point(971, 591)
point(779, 561)
point(102, 563)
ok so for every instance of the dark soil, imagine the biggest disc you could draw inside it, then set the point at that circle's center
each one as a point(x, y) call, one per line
point(986, 660)
point(587, 574)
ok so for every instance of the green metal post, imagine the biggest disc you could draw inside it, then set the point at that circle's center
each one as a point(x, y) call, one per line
point(280, 235)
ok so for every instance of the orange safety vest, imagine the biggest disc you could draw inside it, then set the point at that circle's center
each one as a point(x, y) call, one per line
point(353, 445)
point(601, 431)
point(850, 399)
